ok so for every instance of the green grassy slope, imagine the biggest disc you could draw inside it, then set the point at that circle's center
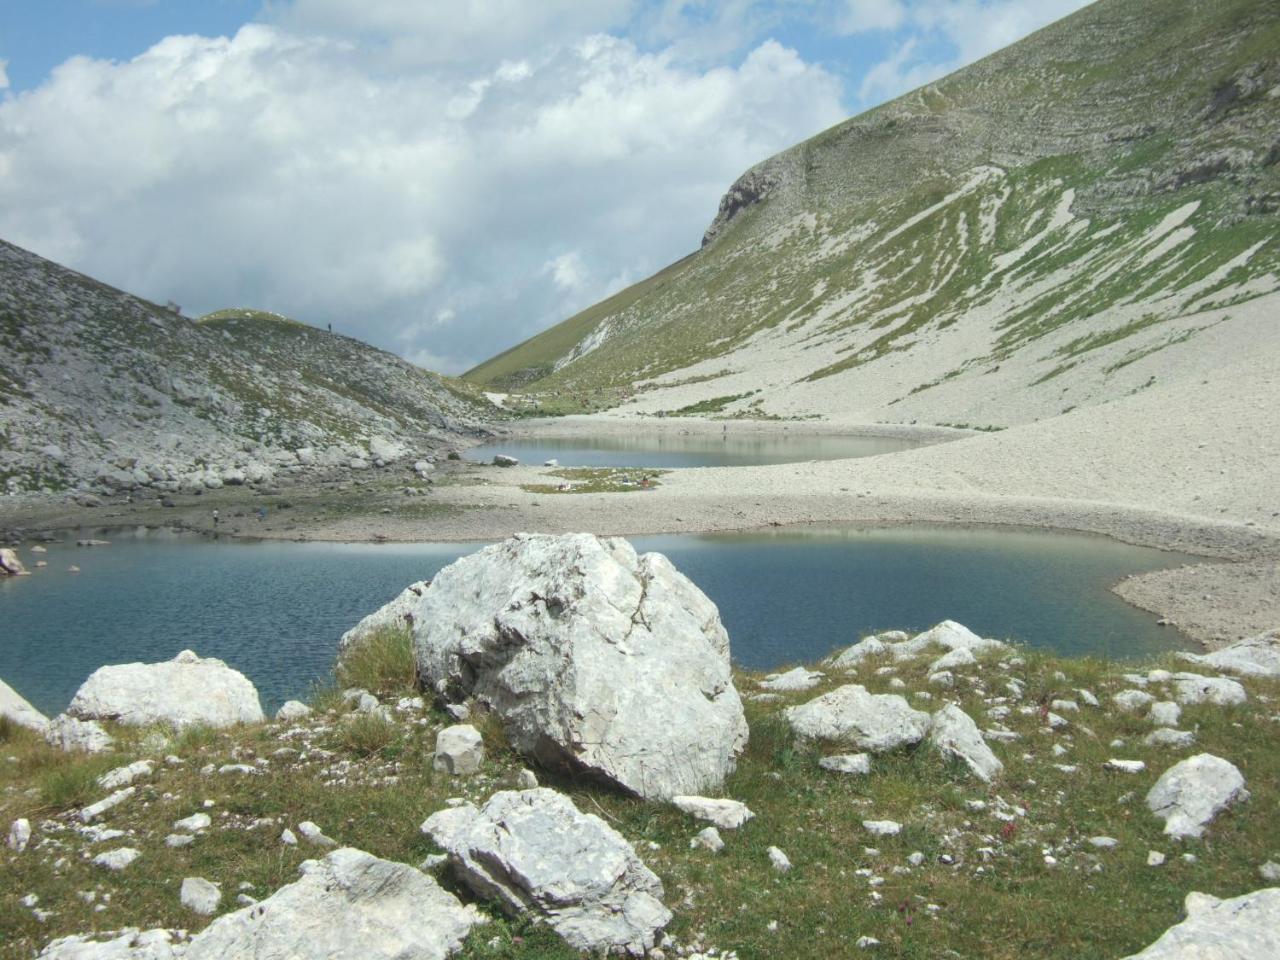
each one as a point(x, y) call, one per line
point(1032, 186)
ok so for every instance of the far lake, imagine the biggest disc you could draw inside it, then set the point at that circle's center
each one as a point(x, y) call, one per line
point(275, 610)
point(672, 450)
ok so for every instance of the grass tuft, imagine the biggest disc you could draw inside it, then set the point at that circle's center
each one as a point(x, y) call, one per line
point(382, 662)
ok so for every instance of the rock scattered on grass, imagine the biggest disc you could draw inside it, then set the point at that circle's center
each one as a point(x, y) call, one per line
point(954, 734)
point(708, 839)
point(876, 722)
point(19, 834)
point(850, 763)
point(779, 860)
point(117, 859)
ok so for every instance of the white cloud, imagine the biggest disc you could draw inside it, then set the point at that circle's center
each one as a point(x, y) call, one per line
point(451, 31)
point(863, 15)
point(416, 207)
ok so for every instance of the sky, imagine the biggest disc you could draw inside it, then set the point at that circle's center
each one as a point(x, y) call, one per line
point(441, 178)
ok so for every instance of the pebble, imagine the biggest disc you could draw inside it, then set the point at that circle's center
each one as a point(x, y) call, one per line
point(1155, 859)
point(19, 834)
point(779, 860)
point(882, 828)
point(117, 859)
point(1125, 766)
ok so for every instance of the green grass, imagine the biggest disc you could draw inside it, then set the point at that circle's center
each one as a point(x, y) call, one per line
point(383, 662)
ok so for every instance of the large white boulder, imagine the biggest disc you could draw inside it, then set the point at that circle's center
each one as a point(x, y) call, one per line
point(1255, 656)
point(398, 613)
point(459, 750)
point(954, 734)
point(1242, 928)
point(597, 660)
point(13, 706)
point(532, 850)
point(183, 691)
point(1190, 794)
point(869, 721)
point(10, 565)
point(350, 904)
point(961, 643)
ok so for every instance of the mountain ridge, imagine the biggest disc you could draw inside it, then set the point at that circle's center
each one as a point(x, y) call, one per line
point(1105, 179)
point(101, 390)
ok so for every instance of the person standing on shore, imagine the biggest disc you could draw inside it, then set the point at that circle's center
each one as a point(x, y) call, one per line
point(215, 518)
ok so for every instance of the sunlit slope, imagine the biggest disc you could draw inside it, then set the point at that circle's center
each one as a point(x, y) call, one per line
point(1017, 239)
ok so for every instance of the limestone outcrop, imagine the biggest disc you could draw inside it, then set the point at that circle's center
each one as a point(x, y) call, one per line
point(869, 721)
point(183, 691)
point(596, 659)
point(1191, 793)
point(1255, 656)
point(533, 851)
point(1245, 926)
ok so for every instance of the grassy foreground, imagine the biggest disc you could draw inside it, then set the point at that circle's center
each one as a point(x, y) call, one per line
point(1006, 871)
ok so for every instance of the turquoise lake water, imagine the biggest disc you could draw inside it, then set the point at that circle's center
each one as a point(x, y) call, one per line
point(670, 450)
point(275, 610)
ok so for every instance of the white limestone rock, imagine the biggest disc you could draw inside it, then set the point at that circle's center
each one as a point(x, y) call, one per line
point(852, 763)
point(106, 804)
point(779, 860)
point(116, 860)
point(954, 734)
point(1254, 656)
point(1125, 766)
point(960, 657)
point(1190, 794)
point(183, 691)
point(1131, 701)
point(1164, 713)
point(882, 828)
point(1220, 691)
point(532, 850)
point(312, 833)
point(123, 776)
point(853, 656)
point(1165, 737)
point(201, 896)
point(792, 680)
point(350, 904)
point(1242, 928)
point(597, 660)
point(723, 813)
point(128, 944)
point(950, 636)
point(708, 839)
point(849, 714)
point(459, 750)
point(19, 835)
point(194, 823)
point(77, 736)
point(13, 706)
point(292, 710)
point(10, 565)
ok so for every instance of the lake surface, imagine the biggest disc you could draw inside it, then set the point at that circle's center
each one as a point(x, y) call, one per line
point(275, 610)
point(665, 450)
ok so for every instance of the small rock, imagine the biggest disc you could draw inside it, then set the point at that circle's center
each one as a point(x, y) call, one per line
point(1270, 871)
point(292, 710)
point(1165, 713)
point(1164, 737)
point(852, 763)
point(709, 839)
point(178, 840)
point(460, 712)
point(792, 680)
point(1190, 794)
point(1125, 766)
point(313, 834)
point(123, 776)
point(526, 779)
point(288, 838)
point(201, 896)
point(1104, 843)
point(882, 828)
point(117, 859)
point(779, 860)
point(1131, 701)
point(1155, 858)
point(725, 814)
point(459, 750)
point(866, 943)
point(193, 823)
point(19, 834)
point(95, 810)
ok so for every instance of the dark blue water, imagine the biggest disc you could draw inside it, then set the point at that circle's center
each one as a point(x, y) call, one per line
point(664, 451)
point(276, 610)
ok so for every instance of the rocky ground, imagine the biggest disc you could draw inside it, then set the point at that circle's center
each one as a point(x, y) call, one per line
point(912, 796)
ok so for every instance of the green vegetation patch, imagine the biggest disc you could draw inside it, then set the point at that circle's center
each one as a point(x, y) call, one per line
point(599, 480)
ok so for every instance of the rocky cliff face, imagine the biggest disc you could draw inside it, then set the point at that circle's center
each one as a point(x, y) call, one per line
point(1047, 218)
point(100, 389)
